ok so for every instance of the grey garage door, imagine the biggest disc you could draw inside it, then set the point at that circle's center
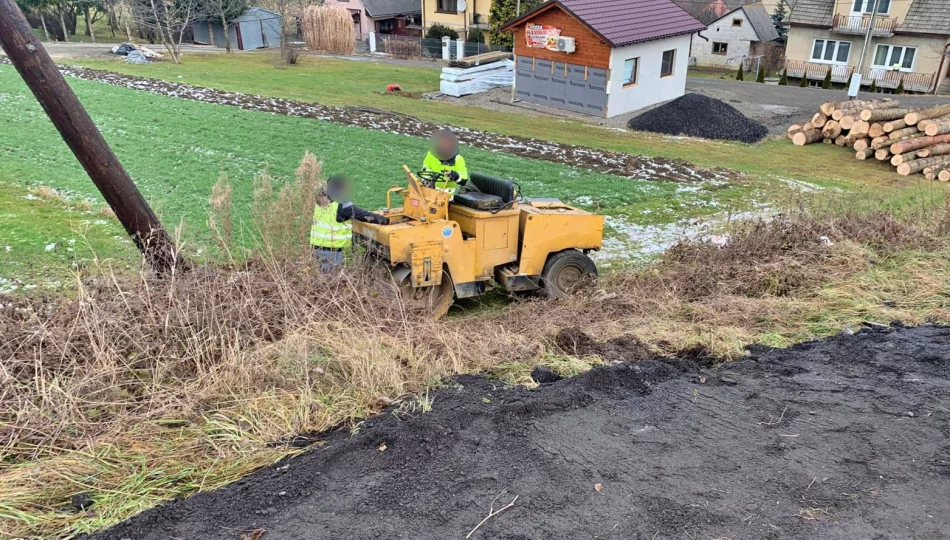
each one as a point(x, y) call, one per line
point(567, 86)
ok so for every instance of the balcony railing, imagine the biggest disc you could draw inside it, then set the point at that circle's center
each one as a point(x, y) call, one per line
point(884, 78)
point(858, 24)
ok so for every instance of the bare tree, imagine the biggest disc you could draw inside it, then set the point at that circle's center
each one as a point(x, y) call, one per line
point(225, 11)
point(167, 19)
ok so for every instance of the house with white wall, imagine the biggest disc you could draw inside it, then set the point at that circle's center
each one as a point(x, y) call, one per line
point(602, 57)
point(736, 31)
point(909, 43)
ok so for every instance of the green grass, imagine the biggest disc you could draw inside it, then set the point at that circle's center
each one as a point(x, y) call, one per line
point(100, 28)
point(344, 82)
point(176, 149)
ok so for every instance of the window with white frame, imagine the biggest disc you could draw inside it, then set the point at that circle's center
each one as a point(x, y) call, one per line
point(830, 51)
point(859, 7)
point(895, 56)
point(631, 67)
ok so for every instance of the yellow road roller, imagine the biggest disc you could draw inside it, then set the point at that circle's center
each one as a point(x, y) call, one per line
point(439, 247)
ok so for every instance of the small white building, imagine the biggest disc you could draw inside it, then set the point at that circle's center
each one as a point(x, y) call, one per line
point(602, 57)
point(735, 32)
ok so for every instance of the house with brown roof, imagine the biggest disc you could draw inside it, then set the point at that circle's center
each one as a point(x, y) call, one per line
point(910, 42)
point(737, 29)
point(602, 57)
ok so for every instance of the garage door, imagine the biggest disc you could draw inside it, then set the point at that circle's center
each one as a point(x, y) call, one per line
point(567, 86)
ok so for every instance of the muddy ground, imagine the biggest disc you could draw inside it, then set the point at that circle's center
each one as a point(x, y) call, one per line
point(616, 163)
point(845, 438)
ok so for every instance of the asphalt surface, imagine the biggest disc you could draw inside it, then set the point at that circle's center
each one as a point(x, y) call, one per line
point(839, 439)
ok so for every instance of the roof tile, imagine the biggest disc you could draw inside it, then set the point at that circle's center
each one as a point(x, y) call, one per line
point(625, 22)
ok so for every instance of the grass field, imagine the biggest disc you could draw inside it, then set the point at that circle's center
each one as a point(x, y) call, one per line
point(318, 79)
point(176, 150)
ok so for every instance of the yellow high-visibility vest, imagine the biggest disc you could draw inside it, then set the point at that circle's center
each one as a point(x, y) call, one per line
point(326, 232)
point(433, 164)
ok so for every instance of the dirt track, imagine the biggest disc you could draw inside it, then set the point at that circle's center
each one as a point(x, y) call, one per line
point(845, 438)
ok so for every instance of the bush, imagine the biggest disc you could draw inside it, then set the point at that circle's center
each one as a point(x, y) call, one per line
point(475, 35)
point(873, 87)
point(289, 53)
point(900, 87)
point(784, 80)
point(804, 83)
point(739, 74)
point(760, 78)
point(439, 31)
point(826, 84)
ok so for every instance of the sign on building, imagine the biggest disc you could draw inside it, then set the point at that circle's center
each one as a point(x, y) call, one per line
point(542, 36)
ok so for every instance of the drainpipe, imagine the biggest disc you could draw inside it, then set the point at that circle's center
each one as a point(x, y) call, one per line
point(700, 34)
point(946, 51)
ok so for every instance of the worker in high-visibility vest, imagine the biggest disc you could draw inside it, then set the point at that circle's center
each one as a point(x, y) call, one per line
point(332, 229)
point(444, 158)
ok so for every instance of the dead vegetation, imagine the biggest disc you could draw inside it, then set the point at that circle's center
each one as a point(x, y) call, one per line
point(329, 29)
point(136, 390)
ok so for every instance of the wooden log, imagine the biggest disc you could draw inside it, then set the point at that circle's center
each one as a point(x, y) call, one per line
point(808, 126)
point(861, 144)
point(937, 129)
point(864, 154)
point(860, 126)
point(794, 127)
point(830, 107)
point(917, 165)
point(826, 140)
point(917, 143)
point(847, 121)
point(933, 151)
point(935, 168)
point(880, 142)
point(933, 112)
point(882, 154)
point(894, 125)
point(876, 130)
point(878, 115)
point(901, 133)
point(923, 124)
point(806, 137)
point(832, 129)
point(903, 158)
point(944, 175)
point(841, 140)
point(819, 120)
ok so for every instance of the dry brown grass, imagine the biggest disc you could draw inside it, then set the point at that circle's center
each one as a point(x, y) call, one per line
point(137, 389)
point(329, 29)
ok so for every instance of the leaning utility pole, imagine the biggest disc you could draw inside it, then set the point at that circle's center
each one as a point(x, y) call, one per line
point(867, 37)
point(83, 137)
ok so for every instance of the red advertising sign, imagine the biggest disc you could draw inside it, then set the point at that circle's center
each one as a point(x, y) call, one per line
point(540, 36)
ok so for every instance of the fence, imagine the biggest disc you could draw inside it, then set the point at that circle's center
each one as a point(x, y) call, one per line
point(420, 47)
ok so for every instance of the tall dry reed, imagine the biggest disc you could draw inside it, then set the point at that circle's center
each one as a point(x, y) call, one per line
point(329, 29)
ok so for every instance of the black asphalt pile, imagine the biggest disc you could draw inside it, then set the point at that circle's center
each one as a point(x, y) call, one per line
point(616, 163)
point(696, 115)
point(843, 438)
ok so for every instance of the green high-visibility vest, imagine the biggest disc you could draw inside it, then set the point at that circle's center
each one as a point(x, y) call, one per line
point(326, 232)
point(433, 164)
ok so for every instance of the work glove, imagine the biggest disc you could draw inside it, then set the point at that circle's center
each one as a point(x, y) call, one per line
point(454, 176)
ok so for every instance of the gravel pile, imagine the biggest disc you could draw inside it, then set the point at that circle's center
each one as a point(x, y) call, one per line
point(696, 115)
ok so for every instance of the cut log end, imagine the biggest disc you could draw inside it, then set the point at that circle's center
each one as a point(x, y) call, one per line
point(904, 169)
point(912, 118)
point(944, 175)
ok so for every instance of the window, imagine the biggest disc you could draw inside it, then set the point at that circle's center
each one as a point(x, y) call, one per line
point(451, 6)
point(737, 22)
point(720, 48)
point(666, 68)
point(860, 7)
point(891, 56)
point(631, 70)
point(830, 51)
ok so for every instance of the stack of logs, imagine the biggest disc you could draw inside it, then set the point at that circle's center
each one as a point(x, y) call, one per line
point(915, 140)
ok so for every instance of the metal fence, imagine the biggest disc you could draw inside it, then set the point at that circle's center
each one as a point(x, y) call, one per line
point(416, 47)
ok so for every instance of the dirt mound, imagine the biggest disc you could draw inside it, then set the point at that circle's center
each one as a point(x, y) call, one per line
point(700, 116)
point(840, 438)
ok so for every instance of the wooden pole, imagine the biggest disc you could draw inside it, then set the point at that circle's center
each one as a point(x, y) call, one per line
point(83, 137)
